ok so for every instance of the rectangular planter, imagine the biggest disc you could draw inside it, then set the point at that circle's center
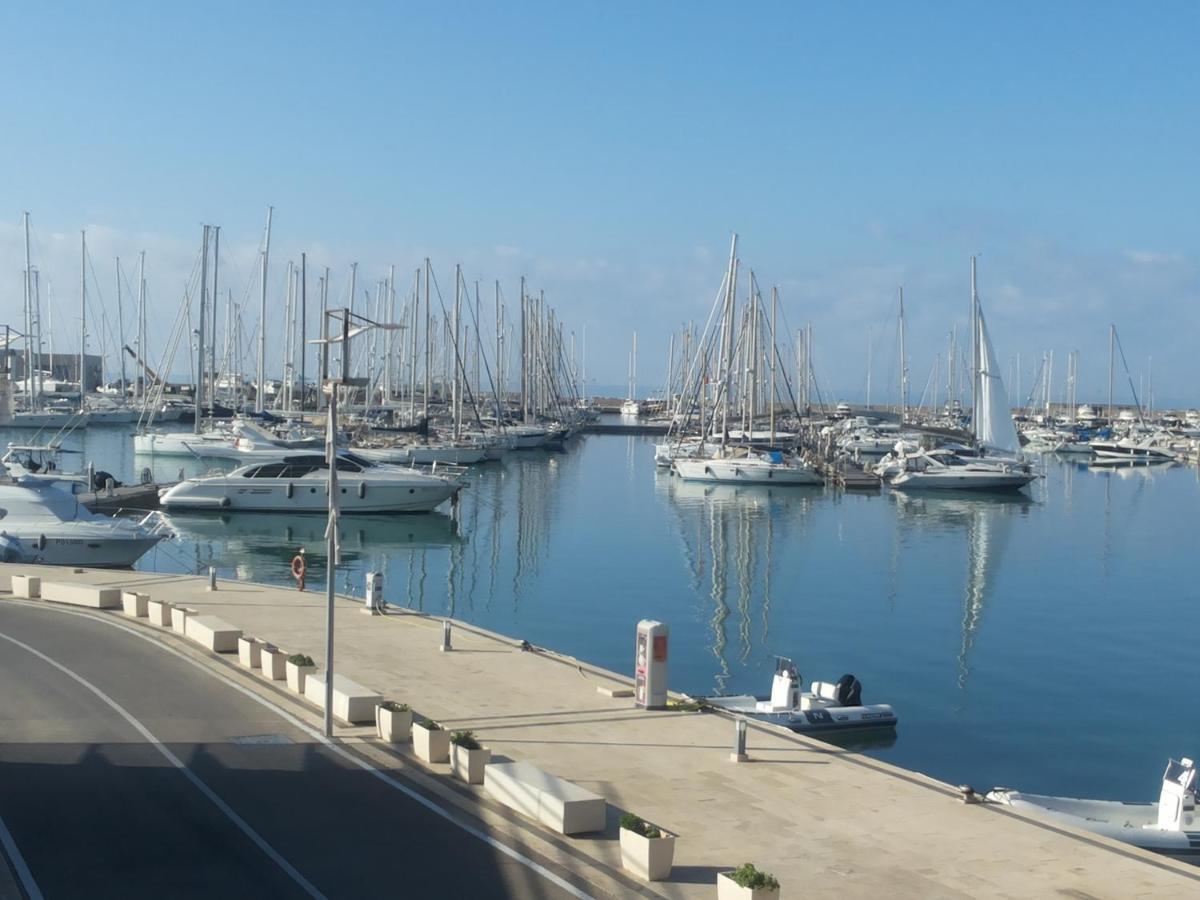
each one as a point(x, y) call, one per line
point(647, 858)
point(250, 652)
point(135, 604)
point(296, 674)
point(468, 764)
point(274, 663)
point(728, 889)
point(393, 726)
point(431, 746)
point(81, 595)
point(159, 612)
point(27, 587)
point(179, 617)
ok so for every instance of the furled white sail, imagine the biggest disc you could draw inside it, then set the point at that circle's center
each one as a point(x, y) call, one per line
point(994, 428)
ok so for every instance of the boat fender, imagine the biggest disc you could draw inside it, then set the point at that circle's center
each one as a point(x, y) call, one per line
point(224, 502)
point(849, 691)
point(362, 490)
point(290, 490)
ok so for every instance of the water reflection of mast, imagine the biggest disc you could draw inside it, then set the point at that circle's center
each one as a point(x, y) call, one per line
point(978, 548)
point(745, 563)
point(717, 541)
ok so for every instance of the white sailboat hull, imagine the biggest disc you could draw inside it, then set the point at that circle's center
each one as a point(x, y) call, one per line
point(745, 471)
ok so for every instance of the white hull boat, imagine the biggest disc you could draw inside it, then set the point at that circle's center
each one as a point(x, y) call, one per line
point(424, 454)
point(529, 437)
point(631, 409)
point(1131, 450)
point(827, 707)
point(770, 468)
point(1170, 826)
point(299, 484)
point(46, 525)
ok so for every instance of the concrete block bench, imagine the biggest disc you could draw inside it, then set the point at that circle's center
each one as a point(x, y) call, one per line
point(213, 633)
point(81, 595)
point(352, 702)
point(553, 801)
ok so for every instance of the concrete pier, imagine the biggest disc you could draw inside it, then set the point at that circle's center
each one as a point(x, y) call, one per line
point(826, 822)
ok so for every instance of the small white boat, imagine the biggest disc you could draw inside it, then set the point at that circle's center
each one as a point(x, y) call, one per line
point(631, 409)
point(299, 484)
point(827, 707)
point(1170, 826)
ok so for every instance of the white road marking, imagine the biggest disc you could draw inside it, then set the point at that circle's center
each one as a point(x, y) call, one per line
point(424, 801)
point(174, 760)
point(18, 861)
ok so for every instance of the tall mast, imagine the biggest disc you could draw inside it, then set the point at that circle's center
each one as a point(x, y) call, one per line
point(303, 329)
point(200, 343)
point(1112, 338)
point(120, 329)
point(346, 359)
point(524, 367)
point(774, 322)
point(455, 387)
point(412, 356)
point(428, 338)
point(868, 399)
point(260, 394)
point(903, 362)
point(141, 335)
point(212, 337)
point(82, 317)
point(500, 385)
point(974, 353)
point(29, 398)
point(727, 335)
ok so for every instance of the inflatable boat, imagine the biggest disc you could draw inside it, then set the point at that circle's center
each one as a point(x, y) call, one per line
point(826, 707)
point(1170, 826)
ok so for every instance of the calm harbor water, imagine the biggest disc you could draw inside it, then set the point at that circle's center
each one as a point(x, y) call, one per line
point(1046, 642)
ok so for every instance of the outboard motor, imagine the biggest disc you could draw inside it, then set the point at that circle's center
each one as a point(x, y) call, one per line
point(849, 691)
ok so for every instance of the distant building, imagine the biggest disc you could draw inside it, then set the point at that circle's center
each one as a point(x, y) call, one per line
point(59, 366)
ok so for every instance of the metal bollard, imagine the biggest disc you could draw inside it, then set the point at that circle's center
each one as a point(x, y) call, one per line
point(739, 742)
point(212, 578)
point(445, 636)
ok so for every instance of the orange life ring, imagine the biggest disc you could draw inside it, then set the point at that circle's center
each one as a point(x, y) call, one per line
point(299, 566)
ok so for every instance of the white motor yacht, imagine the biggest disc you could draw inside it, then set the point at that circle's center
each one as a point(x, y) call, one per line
point(1133, 450)
point(44, 523)
point(743, 466)
point(932, 470)
point(299, 484)
point(1170, 826)
point(631, 409)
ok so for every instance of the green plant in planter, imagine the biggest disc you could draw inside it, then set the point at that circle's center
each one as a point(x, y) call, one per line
point(749, 877)
point(638, 825)
point(299, 659)
point(465, 739)
point(393, 706)
point(430, 725)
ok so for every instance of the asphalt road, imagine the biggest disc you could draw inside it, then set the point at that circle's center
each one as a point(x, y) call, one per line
point(193, 789)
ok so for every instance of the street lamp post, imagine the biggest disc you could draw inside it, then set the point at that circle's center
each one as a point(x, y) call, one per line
point(343, 335)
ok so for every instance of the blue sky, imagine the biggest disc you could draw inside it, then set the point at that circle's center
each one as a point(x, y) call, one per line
point(608, 150)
